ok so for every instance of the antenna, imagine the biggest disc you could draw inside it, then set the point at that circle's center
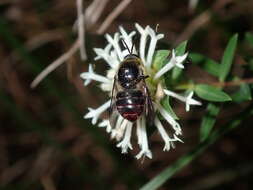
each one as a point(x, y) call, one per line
point(132, 48)
point(124, 43)
point(134, 41)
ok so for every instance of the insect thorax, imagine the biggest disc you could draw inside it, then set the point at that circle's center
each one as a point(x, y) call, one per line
point(129, 72)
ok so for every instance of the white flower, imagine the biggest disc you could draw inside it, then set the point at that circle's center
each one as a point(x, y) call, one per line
point(95, 113)
point(88, 76)
point(113, 54)
point(188, 99)
point(125, 143)
point(169, 119)
point(105, 123)
point(142, 139)
point(168, 141)
point(175, 61)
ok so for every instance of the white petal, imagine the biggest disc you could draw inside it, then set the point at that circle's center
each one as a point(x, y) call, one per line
point(179, 65)
point(90, 75)
point(144, 153)
point(174, 61)
point(180, 59)
point(143, 41)
point(187, 107)
point(191, 101)
point(169, 119)
point(115, 43)
point(163, 134)
point(106, 54)
point(142, 139)
point(173, 54)
point(95, 113)
point(177, 139)
point(119, 130)
point(163, 70)
point(125, 144)
point(127, 38)
point(138, 132)
point(106, 87)
point(169, 142)
point(152, 46)
point(101, 52)
point(105, 123)
point(174, 95)
point(87, 81)
point(188, 100)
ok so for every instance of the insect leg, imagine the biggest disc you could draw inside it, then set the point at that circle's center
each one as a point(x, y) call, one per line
point(140, 78)
point(111, 104)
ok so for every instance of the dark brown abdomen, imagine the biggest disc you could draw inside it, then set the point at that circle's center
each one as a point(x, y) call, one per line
point(130, 104)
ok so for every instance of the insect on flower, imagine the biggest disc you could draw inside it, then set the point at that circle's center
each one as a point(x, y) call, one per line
point(130, 94)
point(136, 90)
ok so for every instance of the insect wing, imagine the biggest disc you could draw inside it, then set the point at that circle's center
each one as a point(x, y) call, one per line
point(149, 108)
point(113, 113)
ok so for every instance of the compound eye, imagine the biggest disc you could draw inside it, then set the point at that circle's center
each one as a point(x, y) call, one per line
point(128, 72)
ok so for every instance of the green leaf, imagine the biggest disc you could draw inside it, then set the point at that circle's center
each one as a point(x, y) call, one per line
point(208, 121)
point(211, 93)
point(196, 58)
point(249, 38)
point(227, 58)
point(176, 72)
point(160, 58)
point(166, 104)
point(212, 67)
point(209, 65)
point(180, 50)
point(243, 94)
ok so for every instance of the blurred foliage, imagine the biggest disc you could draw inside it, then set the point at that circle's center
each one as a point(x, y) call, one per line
point(46, 144)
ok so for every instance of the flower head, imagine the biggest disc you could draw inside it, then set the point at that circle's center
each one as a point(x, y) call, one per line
point(113, 55)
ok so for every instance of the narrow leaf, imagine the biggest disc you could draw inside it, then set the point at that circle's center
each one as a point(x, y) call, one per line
point(208, 121)
point(243, 94)
point(166, 104)
point(211, 93)
point(160, 58)
point(212, 67)
point(196, 58)
point(249, 38)
point(180, 49)
point(209, 65)
point(176, 72)
point(227, 58)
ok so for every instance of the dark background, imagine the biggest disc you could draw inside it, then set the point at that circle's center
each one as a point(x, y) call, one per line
point(44, 141)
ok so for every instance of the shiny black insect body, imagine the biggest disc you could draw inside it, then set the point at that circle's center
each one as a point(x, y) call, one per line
point(130, 95)
point(131, 100)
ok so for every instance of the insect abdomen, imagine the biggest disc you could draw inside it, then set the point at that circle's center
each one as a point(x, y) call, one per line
point(130, 104)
